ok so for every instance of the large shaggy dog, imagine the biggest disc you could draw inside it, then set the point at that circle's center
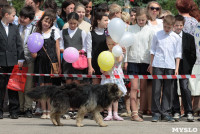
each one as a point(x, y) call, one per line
point(85, 98)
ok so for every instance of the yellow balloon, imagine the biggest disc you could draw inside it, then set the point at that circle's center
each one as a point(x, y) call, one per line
point(106, 60)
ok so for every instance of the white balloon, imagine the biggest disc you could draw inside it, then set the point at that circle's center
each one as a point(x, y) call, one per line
point(116, 28)
point(117, 51)
point(127, 39)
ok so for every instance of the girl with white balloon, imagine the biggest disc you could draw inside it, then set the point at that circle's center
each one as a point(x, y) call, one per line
point(116, 28)
point(138, 59)
point(116, 70)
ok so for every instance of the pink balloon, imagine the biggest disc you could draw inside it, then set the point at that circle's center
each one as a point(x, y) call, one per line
point(70, 54)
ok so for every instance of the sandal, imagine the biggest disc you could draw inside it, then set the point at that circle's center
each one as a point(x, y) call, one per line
point(108, 118)
point(118, 118)
point(149, 112)
point(126, 114)
point(44, 116)
point(140, 114)
point(136, 117)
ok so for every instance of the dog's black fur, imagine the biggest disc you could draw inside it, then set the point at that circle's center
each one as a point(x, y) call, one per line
point(86, 98)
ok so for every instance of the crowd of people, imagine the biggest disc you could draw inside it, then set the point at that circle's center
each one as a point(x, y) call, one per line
point(164, 44)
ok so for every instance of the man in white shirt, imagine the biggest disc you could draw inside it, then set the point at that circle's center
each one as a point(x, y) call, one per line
point(166, 47)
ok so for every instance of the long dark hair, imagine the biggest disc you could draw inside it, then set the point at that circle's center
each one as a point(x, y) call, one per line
point(65, 4)
point(51, 16)
point(73, 15)
point(38, 1)
point(98, 16)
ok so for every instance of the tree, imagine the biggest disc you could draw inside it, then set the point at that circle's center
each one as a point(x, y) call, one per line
point(166, 4)
point(59, 2)
point(120, 2)
point(18, 4)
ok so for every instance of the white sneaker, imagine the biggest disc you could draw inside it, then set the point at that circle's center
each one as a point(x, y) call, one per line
point(48, 116)
point(176, 116)
point(66, 116)
point(44, 116)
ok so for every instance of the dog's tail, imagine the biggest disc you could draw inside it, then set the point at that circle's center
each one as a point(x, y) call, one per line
point(42, 92)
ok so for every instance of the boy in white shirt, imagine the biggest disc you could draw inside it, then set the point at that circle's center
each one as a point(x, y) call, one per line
point(166, 47)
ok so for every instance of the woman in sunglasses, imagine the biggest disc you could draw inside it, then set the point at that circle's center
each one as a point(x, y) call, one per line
point(154, 11)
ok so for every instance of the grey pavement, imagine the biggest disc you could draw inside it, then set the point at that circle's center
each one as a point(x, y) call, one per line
point(44, 126)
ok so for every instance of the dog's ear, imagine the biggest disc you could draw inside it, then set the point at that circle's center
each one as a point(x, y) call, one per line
point(114, 88)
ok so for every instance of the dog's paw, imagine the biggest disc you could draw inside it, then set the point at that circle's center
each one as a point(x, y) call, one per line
point(60, 124)
point(55, 124)
point(103, 125)
point(79, 125)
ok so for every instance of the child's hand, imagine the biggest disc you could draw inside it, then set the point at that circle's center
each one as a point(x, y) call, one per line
point(150, 69)
point(91, 70)
point(20, 64)
point(123, 50)
point(34, 55)
point(176, 71)
point(125, 65)
point(103, 72)
point(60, 70)
point(81, 51)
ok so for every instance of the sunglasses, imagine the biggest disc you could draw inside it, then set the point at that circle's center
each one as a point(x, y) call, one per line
point(154, 8)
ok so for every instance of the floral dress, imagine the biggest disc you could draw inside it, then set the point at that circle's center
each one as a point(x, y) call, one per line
point(190, 25)
point(116, 70)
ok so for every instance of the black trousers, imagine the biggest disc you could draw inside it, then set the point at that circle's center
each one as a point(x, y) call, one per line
point(12, 95)
point(185, 95)
point(164, 106)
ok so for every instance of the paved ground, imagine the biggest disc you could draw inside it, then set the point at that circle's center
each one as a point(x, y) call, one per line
point(44, 126)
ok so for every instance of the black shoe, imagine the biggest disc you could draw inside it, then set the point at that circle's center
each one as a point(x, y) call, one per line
point(190, 118)
point(198, 119)
point(21, 114)
point(28, 113)
point(1, 115)
point(14, 116)
point(168, 118)
point(155, 118)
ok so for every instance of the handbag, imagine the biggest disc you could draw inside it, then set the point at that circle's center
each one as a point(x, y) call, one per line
point(17, 82)
point(54, 66)
point(82, 62)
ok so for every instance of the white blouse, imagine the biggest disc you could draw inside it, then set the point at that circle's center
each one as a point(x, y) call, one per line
point(157, 27)
point(139, 51)
point(47, 35)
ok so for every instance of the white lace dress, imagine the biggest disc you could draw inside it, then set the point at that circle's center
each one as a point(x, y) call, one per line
point(116, 70)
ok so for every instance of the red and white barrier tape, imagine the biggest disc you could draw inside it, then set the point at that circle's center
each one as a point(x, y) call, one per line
point(109, 76)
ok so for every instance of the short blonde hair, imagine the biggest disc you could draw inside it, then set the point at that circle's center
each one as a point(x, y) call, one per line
point(7, 9)
point(169, 20)
point(165, 13)
point(78, 5)
point(126, 17)
point(113, 9)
